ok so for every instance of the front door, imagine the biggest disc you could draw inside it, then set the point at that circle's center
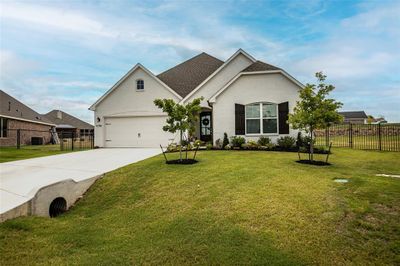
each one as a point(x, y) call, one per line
point(205, 126)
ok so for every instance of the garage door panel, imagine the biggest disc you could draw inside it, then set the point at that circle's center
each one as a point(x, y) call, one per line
point(136, 132)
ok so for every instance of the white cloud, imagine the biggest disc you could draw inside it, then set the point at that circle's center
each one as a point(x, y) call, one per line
point(12, 65)
point(359, 47)
point(56, 18)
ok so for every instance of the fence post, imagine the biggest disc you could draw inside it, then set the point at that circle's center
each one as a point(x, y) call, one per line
point(18, 138)
point(380, 137)
point(72, 138)
point(351, 135)
point(92, 140)
point(62, 140)
point(327, 136)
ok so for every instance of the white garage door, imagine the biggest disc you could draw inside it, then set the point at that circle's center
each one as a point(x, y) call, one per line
point(136, 132)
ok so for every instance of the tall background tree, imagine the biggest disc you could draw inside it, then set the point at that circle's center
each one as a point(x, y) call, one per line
point(180, 117)
point(315, 110)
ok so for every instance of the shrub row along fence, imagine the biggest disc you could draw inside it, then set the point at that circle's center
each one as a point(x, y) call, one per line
point(384, 137)
point(46, 140)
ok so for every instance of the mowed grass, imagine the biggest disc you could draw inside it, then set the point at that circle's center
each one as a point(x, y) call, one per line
point(233, 207)
point(8, 154)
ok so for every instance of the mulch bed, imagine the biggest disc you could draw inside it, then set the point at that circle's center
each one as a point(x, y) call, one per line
point(318, 163)
point(183, 161)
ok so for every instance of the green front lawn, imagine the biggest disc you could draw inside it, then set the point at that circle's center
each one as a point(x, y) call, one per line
point(233, 207)
point(8, 154)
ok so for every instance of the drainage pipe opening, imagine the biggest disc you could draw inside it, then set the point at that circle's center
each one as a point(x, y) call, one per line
point(57, 207)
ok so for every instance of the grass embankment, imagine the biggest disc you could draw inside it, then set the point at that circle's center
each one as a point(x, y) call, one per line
point(233, 207)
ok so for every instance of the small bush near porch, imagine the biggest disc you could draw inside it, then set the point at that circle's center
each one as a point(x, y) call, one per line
point(231, 208)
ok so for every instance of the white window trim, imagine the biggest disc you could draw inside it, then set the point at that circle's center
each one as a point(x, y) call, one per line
point(261, 118)
point(139, 90)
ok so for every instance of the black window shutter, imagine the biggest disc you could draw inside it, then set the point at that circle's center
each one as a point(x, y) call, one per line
point(239, 119)
point(283, 109)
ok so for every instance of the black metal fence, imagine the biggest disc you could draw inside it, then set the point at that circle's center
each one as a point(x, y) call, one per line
point(384, 137)
point(46, 140)
point(74, 141)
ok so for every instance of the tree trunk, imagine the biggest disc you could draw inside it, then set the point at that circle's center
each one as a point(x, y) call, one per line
point(311, 145)
point(180, 147)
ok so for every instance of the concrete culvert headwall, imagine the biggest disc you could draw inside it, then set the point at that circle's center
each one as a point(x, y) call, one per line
point(57, 207)
point(52, 200)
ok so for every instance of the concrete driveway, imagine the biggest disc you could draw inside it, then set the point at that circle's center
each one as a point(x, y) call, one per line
point(21, 180)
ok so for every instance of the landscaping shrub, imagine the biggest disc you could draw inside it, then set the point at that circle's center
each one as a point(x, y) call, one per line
point(263, 141)
point(218, 144)
point(267, 147)
point(237, 141)
point(303, 141)
point(184, 142)
point(198, 143)
point(286, 143)
point(225, 141)
point(228, 147)
point(251, 145)
point(299, 140)
point(172, 147)
point(209, 146)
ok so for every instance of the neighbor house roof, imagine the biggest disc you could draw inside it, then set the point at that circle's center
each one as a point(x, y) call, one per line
point(186, 76)
point(63, 119)
point(354, 114)
point(260, 66)
point(12, 108)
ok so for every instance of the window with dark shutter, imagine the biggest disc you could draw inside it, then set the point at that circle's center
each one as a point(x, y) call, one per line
point(283, 109)
point(239, 119)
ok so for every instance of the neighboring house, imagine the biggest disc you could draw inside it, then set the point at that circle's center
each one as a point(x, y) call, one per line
point(15, 115)
point(242, 96)
point(68, 123)
point(379, 120)
point(354, 117)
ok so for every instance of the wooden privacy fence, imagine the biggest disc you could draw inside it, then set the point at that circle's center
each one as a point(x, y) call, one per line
point(384, 137)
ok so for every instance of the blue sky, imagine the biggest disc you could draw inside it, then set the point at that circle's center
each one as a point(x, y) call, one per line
point(66, 54)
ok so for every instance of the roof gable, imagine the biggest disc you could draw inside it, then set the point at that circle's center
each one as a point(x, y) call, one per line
point(185, 77)
point(260, 66)
point(279, 71)
point(137, 66)
point(67, 119)
point(11, 107)
point(224, 65)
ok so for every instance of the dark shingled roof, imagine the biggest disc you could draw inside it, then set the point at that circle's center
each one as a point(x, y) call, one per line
point(11, 107)
point(67, 120)
point(260, 66)
point(354, 114)
point(186, 76)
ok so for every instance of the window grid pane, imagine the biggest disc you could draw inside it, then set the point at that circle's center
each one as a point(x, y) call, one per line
point(253, 126)
point(270, 125)
point(253, 111)
point(140, 84)
point(269, 110)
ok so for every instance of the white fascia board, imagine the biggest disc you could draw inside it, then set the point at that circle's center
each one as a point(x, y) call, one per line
point(27, 120)
point(137, 66)
point(240, 51)
point(213, 98)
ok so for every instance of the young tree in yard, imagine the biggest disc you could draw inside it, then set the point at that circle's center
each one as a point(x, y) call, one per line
point(315, 110)
point(180, 117)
